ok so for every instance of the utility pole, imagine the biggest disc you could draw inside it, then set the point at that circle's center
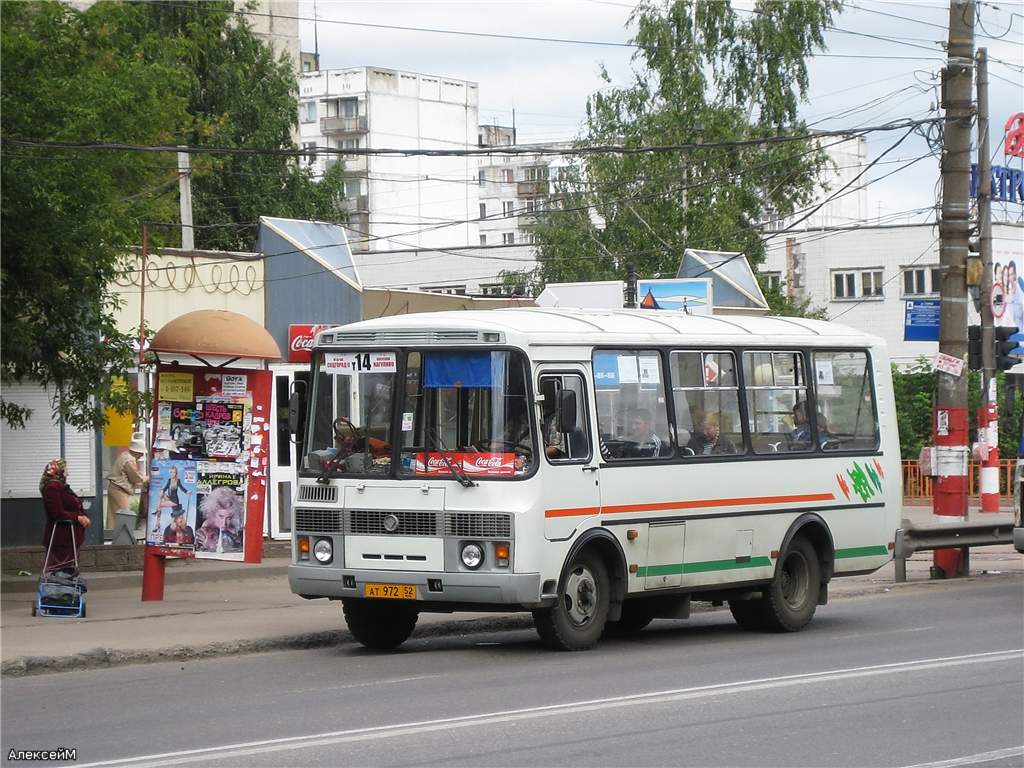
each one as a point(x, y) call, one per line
point(949, 419)
point(185, 201)
point(988, 414)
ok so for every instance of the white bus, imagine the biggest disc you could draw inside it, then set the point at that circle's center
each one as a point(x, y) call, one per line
point(598, 468)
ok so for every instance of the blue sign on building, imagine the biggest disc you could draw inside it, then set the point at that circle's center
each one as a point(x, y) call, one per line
point(921, 321)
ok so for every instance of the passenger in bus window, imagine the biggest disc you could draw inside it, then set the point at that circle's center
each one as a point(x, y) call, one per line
point(707, 440)
point(800, 437)
point(641, 439)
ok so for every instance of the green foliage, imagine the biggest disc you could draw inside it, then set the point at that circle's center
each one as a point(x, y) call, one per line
point(914, 390)
point(704, 75)
point(67, 217)
point(140, 73)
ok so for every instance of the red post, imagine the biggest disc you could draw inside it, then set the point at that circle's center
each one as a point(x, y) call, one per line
point(153, 566)
point(988, 437)
point(949, 428)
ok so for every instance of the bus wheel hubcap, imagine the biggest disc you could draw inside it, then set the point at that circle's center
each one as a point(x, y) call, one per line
point(580, 596)
point(795, 581)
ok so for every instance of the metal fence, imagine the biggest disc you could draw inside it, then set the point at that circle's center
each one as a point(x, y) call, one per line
point(919, 487)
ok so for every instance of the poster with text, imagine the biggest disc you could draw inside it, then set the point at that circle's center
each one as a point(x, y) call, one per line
point(221, 509)
point(172, 504)
point(222, 427)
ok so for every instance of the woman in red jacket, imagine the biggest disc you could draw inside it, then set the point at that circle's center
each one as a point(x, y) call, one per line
point(61, 503)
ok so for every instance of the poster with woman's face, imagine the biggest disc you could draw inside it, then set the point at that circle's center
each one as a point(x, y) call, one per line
point(172, 504)
point(221, 510)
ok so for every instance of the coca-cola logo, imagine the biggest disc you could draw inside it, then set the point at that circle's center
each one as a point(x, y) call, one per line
point(300, 342)
point(492, 461)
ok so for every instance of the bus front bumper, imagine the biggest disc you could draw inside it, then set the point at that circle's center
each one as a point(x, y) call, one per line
point(483, 589)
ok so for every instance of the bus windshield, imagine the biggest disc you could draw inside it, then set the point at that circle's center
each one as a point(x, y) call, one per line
point(466, 413)
point(463, 415)
point(353, 402)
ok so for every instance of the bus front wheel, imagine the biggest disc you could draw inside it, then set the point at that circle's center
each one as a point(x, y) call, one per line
point(577, 620)
point(380, 624)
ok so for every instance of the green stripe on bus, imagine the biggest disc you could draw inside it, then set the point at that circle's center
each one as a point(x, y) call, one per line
point(671, 569)
point(878, 550)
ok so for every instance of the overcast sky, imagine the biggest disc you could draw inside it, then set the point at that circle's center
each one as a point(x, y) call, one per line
point(548, 83)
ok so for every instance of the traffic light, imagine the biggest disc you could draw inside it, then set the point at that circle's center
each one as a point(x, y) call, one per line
point(974, 347)
point(1005, 348)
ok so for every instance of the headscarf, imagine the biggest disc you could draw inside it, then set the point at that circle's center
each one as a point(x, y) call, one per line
point(56, 469)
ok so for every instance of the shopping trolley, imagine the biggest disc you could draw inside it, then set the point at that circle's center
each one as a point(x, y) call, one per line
point(61, 591)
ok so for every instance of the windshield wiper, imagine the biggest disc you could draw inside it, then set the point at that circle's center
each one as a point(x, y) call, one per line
point(457, 472)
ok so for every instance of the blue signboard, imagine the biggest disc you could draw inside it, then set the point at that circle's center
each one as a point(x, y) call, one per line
point(921, 322)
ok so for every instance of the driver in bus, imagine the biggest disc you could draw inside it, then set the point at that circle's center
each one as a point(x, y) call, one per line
point(640, 436)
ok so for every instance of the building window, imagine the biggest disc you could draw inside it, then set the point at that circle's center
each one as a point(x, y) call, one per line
point(537, 173)
point(450, 290)
point(307, 112)
point(506, 175)
point(920, 280)
point(309, 147)
point(483, 239)
point(844, 285)
point(507, 207)
point(773, 280)
point(508, 238)
point(483, 210)
point(527, 237)
point(871, 283)
point(480, 140)
point(348, 107)
point(481, 176)
point(492, 289)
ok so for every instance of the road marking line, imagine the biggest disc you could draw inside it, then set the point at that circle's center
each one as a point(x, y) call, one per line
point(981, 757)
point(367, 684)
point(264, 746)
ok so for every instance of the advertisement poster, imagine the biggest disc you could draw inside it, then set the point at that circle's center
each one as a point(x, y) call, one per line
point(473, 464)
point(172, 504)
point(221, 427)
point(221, 515)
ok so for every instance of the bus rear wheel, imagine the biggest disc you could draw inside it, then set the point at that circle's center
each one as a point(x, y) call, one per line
point(789, 603)
point(576, 621)
point(380, 624)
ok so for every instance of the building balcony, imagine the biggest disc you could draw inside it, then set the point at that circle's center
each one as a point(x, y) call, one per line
point(343, 124)
point(532, 188)
point(358, 203)
point(354, 163)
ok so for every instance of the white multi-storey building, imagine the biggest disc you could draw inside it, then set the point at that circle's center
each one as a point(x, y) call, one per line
point(864, 275)
point(396, 201)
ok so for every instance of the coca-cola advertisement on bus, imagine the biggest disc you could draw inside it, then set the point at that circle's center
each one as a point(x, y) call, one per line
point(300, 342)
point(473, 464)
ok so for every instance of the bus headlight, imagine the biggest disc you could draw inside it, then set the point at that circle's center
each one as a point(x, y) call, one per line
point(323, 551)
point(472, 555)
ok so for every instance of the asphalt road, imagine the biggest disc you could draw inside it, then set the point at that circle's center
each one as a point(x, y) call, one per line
point(931, 675)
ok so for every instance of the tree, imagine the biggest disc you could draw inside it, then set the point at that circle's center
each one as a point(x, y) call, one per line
point(138, 73)
point(704, 76)
point(68, 217)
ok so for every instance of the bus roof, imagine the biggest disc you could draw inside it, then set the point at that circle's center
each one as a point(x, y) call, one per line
point(528, 326)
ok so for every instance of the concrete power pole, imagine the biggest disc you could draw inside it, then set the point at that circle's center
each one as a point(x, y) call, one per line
point(950, 420)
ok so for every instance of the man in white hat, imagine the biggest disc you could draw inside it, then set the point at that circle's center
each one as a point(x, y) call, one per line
point(125, 476)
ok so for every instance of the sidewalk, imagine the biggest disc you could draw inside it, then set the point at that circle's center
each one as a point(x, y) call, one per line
point(214, 609)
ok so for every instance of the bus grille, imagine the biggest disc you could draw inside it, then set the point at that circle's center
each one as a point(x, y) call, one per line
point(323, 493)
point(318, 520)
point(472, 525)
point(371, 523)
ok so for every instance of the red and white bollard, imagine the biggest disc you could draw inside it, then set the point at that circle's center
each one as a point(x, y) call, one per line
point(988, 440)
point(949, 428)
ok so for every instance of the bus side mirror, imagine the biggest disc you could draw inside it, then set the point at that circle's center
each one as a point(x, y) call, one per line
point(296, 405)
point(566, 410)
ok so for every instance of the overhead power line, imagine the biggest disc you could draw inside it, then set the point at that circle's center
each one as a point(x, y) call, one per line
point(600, 149)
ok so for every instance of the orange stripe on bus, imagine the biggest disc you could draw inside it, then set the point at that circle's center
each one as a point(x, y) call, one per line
point(659, 506)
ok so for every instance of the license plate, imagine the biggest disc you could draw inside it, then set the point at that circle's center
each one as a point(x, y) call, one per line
point(392, 591)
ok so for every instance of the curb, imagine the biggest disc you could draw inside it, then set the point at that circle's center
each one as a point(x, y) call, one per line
point(103, 658)
point(175, 576)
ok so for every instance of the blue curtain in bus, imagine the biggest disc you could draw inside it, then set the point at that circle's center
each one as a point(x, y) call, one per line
point(463, 369)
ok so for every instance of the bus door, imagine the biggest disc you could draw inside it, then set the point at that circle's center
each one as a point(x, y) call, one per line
point(572, 493)
point(285, 452)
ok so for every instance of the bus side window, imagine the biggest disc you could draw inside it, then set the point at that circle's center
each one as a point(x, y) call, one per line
point(777, 402)
point(846, 411)
point(564, 443)
point(706, 397)
point(631, 411)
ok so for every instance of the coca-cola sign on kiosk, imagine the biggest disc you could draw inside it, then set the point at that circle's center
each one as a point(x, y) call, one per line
point(300, 342)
